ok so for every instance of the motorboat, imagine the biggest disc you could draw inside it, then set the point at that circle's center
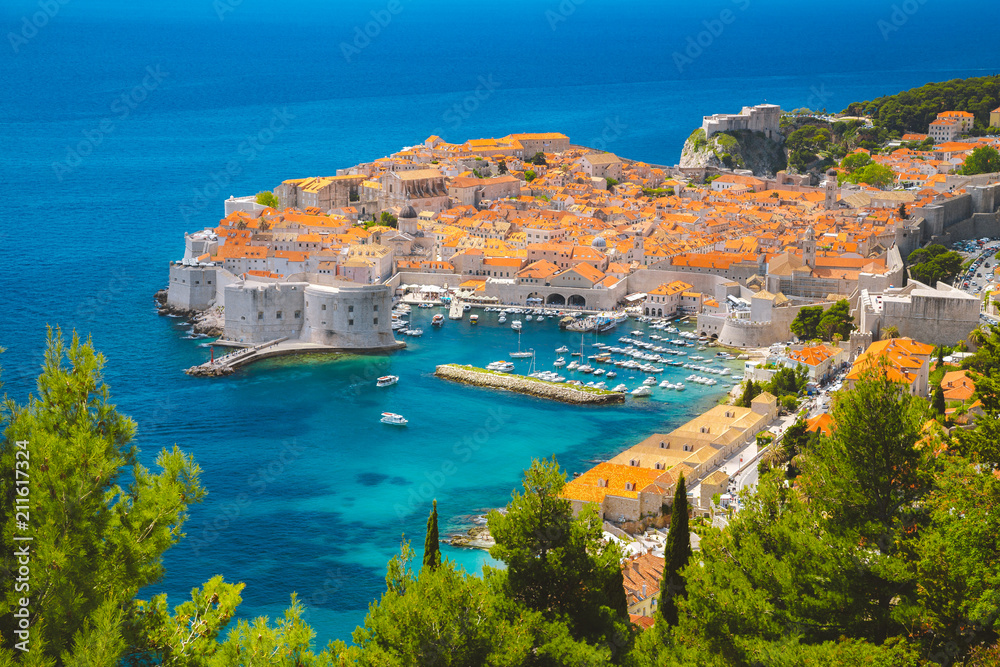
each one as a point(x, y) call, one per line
point(650, 381)
point(393, 418)
point(516, 325)
point(473, 319)
point(573, 365)
point(642, 391)
point(666, 385)
point(387, 381)
point(559, 363)
point(415, 332)
point(620, 388)
point(562, 350)
point(680, 386)
point(502, 319)
point(437, 320)
point(500, 366)
point(527, 317)
point(611, 374)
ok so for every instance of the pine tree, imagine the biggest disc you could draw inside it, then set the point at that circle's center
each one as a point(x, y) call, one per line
point(432, 549)
point(676, 555)
point(750, 391)
point(938, 401)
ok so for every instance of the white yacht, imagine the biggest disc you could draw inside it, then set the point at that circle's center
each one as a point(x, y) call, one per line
point(559, 363)
point(516, 325)
point(642, 391)
point(562, 350)
point(650, 381)
point(620, 388)
point(393, 418)
point(501, 366)
point(387, 381)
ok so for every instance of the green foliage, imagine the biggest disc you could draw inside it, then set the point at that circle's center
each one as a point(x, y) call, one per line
point(698, 139)
point(612, 182)
point(751, 390)
point(432, 546)
point(502, 167)
point(855, 161)
point(658, 192)
point(538, 159)
point(266, 198)
point(873, 174)
point(937, 402)
point(387, 219)
point(788, 382)
point(813, 322)
point(529, 175)
point(914, 109)
point(556, 564)
point(982, 160)
point(677, 554)
point(933, 263)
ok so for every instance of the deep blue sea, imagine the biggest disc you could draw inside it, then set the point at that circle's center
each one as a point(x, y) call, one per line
point(119, 120)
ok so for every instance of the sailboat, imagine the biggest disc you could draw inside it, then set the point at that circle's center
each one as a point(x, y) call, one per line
point(519, 354)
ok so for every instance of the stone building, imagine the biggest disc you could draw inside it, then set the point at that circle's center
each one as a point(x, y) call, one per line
point(764, 118)
point(423, 189)
point(322, 192)
point(322, 310)
point(940, 316)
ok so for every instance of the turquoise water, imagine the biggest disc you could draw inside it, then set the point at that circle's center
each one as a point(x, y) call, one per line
point(316, 473)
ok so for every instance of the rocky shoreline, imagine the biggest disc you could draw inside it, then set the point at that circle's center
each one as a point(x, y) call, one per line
point(477, 537)
point(208, 322)
point(523, 385)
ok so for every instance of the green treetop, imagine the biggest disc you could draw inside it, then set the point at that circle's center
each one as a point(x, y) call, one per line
point(432, 547)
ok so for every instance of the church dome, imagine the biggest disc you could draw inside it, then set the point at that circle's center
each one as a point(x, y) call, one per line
point(598, 242)
point(407, 212)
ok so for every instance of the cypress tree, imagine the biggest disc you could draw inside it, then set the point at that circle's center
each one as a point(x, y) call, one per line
point(749, 393)
point(939, 404)
point(432, 548)
point(676, 555)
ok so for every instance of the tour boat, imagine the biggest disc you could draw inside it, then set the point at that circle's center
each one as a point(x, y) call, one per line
point(516, 325)
point(473, 319)
point(642, 391)
point(438, 320)
point(393, 418)
point(387, 380)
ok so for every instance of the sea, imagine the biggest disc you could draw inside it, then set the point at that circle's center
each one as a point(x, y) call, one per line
point(125, 125)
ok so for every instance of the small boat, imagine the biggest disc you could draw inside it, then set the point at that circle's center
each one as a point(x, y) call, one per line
point(387, 380)
point(502, 318)
point(516, 325)
point(650, 381)
point(612, 374)
point(500, 366)
point(473, 319)
point(679, 386)
point(438, 320)
point(415, 332)
point(560, 362)
point(393, 418)
point(562, 350)
point(620, 388)
point(642, 391)
point(527, 317)
point(666, 385)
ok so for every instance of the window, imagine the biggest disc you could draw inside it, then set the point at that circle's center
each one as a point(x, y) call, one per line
point(350, 309)
point(602, 482)
point(350, 323)
point(375, 307)
point(260, 314)
point(630, 486)
point(660, 465)
point(197, 282)
point(634, 462)
point(375, 321)
point(323, 307)
point(298, 314)
point(664, 445)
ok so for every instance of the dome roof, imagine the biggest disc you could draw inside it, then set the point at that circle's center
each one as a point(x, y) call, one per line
point(599, 242)
point(407, 212)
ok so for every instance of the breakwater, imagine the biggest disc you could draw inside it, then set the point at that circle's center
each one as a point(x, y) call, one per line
point(480, 377)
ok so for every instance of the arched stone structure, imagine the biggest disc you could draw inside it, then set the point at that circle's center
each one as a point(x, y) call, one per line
point(577, 301)
point(555, 299)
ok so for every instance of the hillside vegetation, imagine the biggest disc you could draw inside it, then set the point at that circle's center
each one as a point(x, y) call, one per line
point(913, 110)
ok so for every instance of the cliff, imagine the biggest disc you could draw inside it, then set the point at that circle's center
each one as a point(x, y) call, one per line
point(739, 149)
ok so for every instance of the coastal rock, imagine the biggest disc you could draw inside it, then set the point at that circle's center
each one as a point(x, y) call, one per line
point(524, 385)
point(209, 322)
point(477, 537)
point(738, 149)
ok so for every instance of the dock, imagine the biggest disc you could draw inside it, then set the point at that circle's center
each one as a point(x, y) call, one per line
point(247, 354)
point(456, 310)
